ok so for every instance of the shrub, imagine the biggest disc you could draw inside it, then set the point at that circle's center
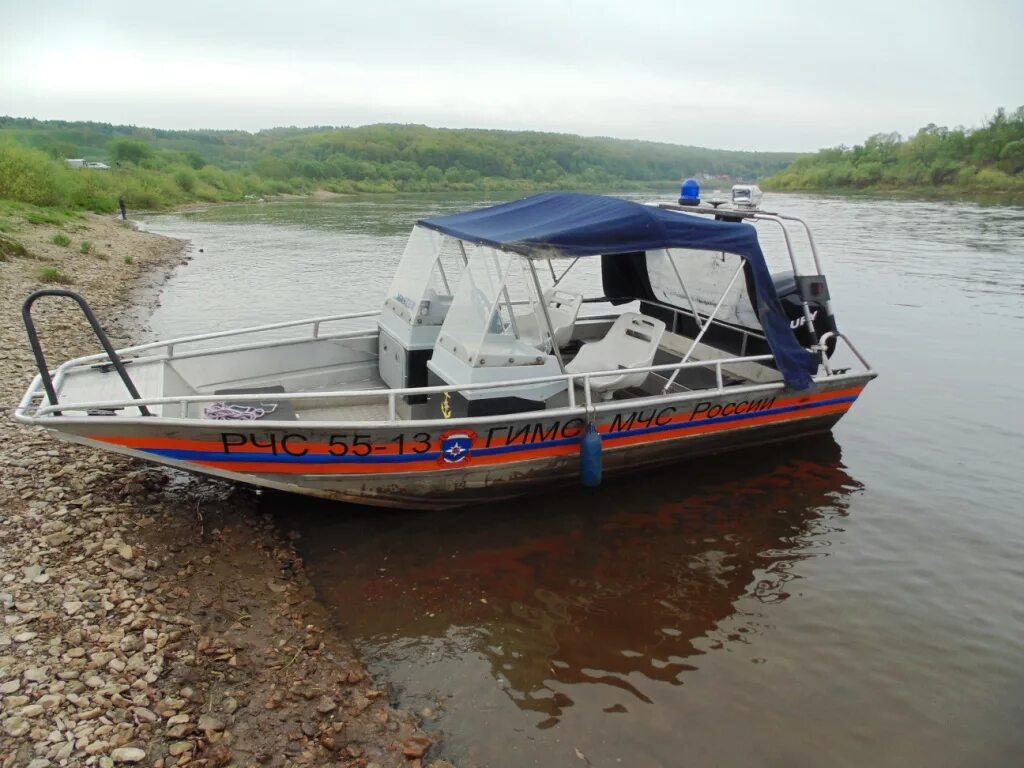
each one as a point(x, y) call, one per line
point(94, 190)
point(129, 150)
point(194, 159)
point(30, 176)
point(993, 180)
point(1012, 157)
point(965, 176)
point(138, 194)
point(85, 247)
point(128, 259)
point(214, 176)
point(186, 180)
point(61, 239)
point(53, 275)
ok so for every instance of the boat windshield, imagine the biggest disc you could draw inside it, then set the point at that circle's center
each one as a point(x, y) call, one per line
point(480, 329)
point(427, 275)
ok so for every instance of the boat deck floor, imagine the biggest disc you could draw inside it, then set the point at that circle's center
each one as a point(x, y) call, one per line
point(362, 408)
point(358, 412)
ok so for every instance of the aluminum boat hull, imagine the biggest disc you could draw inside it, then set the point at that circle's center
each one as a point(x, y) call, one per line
point(441, 464)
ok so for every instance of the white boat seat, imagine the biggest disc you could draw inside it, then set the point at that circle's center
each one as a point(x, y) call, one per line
point(631, 342)
point(563, 307)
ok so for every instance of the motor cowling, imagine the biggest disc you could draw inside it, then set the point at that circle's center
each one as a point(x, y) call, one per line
point(792, 291)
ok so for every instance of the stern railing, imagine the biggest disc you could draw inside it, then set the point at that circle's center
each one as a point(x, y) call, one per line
point(101, 335)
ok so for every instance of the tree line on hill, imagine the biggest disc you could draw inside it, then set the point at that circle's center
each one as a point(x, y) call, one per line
point(156, 168)
point(945, 160)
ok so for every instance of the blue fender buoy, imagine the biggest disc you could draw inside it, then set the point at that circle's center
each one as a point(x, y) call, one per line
point(590, 457)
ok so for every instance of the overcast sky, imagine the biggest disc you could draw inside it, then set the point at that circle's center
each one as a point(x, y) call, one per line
point(735, 74)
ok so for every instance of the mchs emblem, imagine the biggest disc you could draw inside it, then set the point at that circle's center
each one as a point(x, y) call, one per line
point(456, 447)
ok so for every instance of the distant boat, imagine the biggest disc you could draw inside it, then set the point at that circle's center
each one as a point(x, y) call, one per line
point(480, 379)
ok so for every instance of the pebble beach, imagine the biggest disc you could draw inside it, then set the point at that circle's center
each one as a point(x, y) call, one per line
point(149, 617)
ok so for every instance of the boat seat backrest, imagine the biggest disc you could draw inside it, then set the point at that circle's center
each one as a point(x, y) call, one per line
point(563, 301)
point(631, 342)
point(637, 340)
point(563, 308)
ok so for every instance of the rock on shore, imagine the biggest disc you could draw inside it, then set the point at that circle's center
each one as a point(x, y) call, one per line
point(139, 626)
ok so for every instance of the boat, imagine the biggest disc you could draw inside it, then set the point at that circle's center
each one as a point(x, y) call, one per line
point(484, 375)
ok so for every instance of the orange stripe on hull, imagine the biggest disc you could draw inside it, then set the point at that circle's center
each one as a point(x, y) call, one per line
point(174, 443)
point(263, 468)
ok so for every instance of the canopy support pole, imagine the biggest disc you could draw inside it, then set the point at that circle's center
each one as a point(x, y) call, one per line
point(504, 293)
point(686, 293)
point(504, 290)
point(444, 277)
point(704, 328)
point(560, 279)
point(547, 317)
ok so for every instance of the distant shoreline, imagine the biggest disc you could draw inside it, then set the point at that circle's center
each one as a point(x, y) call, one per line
point(935, 194)
point(322, 195)
point(924, 194)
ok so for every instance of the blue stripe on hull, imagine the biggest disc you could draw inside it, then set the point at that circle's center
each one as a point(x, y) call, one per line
point(188, 455)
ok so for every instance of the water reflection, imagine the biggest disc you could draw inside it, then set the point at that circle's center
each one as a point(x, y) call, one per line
point(624, 588)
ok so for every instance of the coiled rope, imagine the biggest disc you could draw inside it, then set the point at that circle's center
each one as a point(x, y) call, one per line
point(227, 411)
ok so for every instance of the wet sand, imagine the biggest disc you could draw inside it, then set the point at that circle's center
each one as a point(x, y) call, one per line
point(151, 618)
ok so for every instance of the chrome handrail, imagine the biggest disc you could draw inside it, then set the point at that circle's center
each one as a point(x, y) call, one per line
point(570, 378)
point(316, 322)
point(573, 380)
point(823, 344)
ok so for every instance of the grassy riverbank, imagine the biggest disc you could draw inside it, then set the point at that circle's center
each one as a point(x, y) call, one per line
point(936, 162)
point(155, 169)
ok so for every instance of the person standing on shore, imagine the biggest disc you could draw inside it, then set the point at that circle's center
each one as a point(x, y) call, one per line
point(124, 208)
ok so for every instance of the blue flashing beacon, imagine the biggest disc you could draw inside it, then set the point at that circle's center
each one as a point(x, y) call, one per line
point(689, 193)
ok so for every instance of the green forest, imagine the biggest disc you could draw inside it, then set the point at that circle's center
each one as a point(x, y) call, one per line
point(942, 161)
point(153, 168)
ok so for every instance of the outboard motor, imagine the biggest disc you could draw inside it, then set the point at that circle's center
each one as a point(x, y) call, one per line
point(792, 292)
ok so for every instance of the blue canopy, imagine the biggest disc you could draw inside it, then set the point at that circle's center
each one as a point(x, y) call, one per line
point(572, 224)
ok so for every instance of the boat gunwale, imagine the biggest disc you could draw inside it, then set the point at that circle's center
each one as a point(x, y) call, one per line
point(44, 414)
point(47, 419)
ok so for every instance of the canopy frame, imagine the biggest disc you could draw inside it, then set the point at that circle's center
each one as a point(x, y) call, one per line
point(705, 326)
point(561, 224)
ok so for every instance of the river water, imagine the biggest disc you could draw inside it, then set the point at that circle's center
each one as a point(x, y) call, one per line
point(853, 600)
